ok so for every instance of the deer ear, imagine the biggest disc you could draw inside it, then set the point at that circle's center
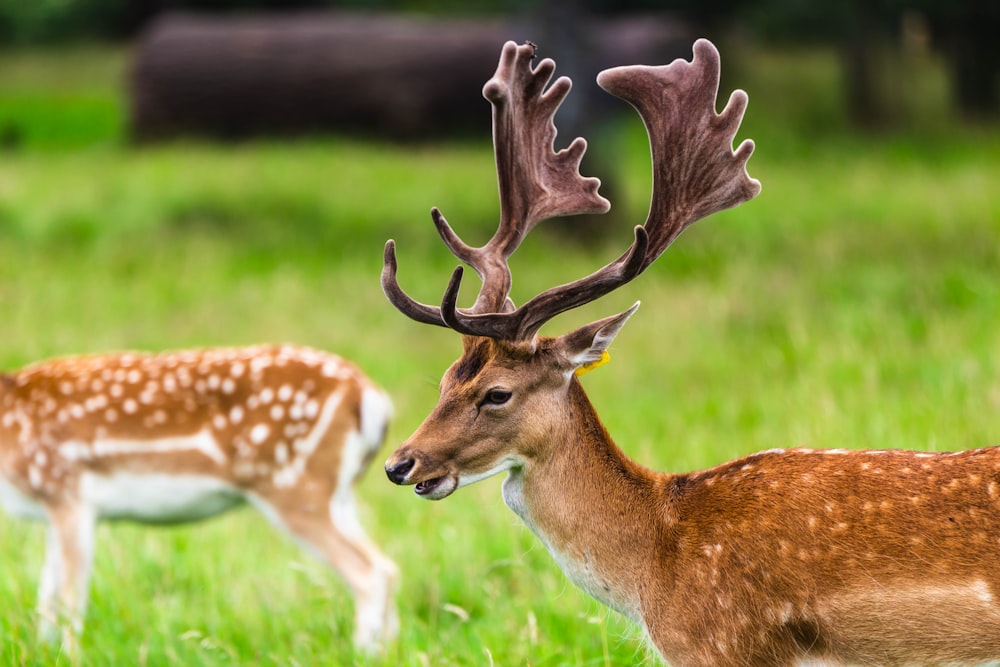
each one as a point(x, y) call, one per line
point(588, 344)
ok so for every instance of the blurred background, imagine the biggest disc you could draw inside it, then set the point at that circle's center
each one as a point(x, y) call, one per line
point(192, 67)
point(178, 174)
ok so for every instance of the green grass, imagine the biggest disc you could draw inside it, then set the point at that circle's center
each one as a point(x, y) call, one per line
point(854, 303)
point(61, 98)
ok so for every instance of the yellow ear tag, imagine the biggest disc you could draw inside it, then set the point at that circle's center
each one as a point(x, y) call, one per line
point(586, 368)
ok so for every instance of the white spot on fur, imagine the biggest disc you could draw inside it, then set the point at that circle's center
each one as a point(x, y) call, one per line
point(75, 450)
point(982, 591)
point(259, 433)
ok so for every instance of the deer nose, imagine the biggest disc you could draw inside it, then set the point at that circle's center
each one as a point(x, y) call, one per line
point(397, 472)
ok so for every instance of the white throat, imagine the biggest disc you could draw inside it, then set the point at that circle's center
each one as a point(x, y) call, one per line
point(575, 563)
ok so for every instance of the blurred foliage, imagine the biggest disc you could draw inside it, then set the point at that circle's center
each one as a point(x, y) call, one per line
point(57, 20)
point(963, 31)
point(796, 20)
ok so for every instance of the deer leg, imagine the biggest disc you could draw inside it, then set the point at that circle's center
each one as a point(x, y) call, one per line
point(69, 551)
point(333, 534)
point(48, 588)
point(376, 618)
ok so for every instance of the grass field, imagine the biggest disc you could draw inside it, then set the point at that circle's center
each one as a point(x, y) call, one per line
point(855, 303)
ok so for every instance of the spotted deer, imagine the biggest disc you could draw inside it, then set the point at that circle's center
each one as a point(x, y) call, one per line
point(783, 558)
point(181, 436)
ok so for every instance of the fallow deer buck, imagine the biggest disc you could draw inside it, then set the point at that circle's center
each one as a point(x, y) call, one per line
point(781, 558)
point(181, 436)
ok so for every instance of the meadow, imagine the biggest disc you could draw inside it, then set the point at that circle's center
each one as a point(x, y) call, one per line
point(855, 303)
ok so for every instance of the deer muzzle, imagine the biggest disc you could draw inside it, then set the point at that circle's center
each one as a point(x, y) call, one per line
point(431, 482)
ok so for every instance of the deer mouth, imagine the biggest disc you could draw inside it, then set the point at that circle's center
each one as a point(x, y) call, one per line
point(436, 488)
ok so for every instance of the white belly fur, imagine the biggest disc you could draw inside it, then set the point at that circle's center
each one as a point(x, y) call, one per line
point(154, 498)
point(17, 504)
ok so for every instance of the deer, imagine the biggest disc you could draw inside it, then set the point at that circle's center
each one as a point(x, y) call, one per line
point(787, 557)
point(181, 436)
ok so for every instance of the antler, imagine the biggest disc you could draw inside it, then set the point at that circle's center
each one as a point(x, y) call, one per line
point(535, 183)
point(695, 173)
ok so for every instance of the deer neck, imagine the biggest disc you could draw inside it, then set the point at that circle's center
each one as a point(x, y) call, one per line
point(591, 506)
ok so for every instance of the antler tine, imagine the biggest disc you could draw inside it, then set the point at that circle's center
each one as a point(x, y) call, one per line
point(490, 267)
point(422, 312)
point(403, 303)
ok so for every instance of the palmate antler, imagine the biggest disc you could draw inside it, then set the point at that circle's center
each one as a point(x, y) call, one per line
point(695, 173)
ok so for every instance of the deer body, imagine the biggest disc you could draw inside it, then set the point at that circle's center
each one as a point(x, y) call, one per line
point(183, 436)
point(785, 558)
point(782, 557)
point(827, 555)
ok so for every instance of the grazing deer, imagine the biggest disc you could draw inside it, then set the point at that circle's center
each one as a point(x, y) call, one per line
point(782, 558)
point(182, 436)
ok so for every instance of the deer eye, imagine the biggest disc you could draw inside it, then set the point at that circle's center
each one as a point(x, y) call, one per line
point(496, 397)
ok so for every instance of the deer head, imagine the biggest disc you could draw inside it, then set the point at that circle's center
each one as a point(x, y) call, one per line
point(512, 393)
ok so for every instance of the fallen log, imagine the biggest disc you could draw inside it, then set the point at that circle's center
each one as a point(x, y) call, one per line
point(379, 75)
